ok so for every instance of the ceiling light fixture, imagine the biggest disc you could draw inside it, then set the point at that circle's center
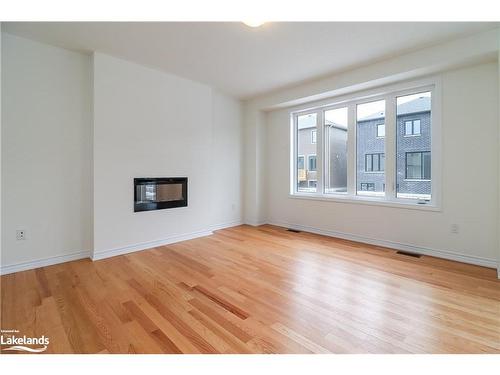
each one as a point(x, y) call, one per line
point(253, 23)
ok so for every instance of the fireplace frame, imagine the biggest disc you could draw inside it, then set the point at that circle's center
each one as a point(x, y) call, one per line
point(140, 206)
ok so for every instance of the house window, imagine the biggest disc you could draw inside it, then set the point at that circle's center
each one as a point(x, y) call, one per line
point(375, 162)
point(353, 147)
point(412, 127)
point(300, 162)
point(380, 130)
point(367, 186)
point(314, 134)
point(418, 165)
point(312, 163)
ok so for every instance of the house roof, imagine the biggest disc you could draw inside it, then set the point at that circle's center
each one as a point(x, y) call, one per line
point(421, 104)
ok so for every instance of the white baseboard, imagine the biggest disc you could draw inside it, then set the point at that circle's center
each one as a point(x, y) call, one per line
point(148, 245)
point(255, 223)
point(24, 266)
point(228, 224)
point(446, 254)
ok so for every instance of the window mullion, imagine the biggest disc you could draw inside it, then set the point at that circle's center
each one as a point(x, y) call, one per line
point(351, 149)
point(390, 147)
point(320, 151)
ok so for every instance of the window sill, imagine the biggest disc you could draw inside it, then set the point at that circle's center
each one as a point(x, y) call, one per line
point(371, 201)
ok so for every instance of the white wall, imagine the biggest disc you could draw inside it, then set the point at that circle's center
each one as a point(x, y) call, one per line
point(149, 123)
point(227, 163)
point(46, 147)
point(77, 129)
point(470, 180)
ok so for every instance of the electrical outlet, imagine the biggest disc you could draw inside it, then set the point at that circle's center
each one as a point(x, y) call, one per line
point(454, 228)
point(20, 234)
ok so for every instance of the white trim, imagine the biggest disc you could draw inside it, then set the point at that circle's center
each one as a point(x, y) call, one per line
point(371, 200)
point(24, 266)
point(103, 254)
point(255, 223)
point(445, 254)
point(225, 225)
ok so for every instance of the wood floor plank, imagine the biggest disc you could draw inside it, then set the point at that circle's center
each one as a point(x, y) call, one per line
point(258, 290)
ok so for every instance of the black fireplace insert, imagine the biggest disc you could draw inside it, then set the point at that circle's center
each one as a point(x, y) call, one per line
point(158, 193)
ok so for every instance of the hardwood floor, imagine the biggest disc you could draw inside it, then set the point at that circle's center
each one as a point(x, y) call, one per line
point(258, 290)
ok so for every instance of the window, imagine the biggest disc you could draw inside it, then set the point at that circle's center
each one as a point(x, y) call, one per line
point(418, 165)
point(351, 157)
point(300, 163)
point(367, 186)
point(306, 172)
point(374, 162)
point(413, 158)
point(380, 130)
point(312, 163)
point(412, 127)
point(369, 147)
point(335, 135)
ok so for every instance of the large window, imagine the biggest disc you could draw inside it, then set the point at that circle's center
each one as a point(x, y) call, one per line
point(377, 147)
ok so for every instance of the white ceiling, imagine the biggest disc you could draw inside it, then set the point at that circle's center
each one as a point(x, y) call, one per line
point(243, 61)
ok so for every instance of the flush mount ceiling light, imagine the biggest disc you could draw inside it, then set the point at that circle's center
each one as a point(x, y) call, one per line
point(253, 23)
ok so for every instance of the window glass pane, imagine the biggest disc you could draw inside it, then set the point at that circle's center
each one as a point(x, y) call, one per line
point(413, 159)
point(368, 117)
point(368, 162)
point(416, 127)
point(426, 165)
point(336, 150)
point(306, 124)
point(312, 163)
point(382, 162)
point(413, 165)
point(300, 162)
point(313, 136)
point(408, 127)
point(381, 130)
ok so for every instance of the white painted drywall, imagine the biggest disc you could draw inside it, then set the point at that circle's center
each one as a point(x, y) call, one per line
point(67, 173)
point(149, 123)
point(227, 162)
point(46, 147)
point(470, 178)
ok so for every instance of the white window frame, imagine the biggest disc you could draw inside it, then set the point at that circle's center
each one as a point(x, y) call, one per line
point(389, 94)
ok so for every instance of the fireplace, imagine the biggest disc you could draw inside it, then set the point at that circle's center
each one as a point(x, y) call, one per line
point(158, 193)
